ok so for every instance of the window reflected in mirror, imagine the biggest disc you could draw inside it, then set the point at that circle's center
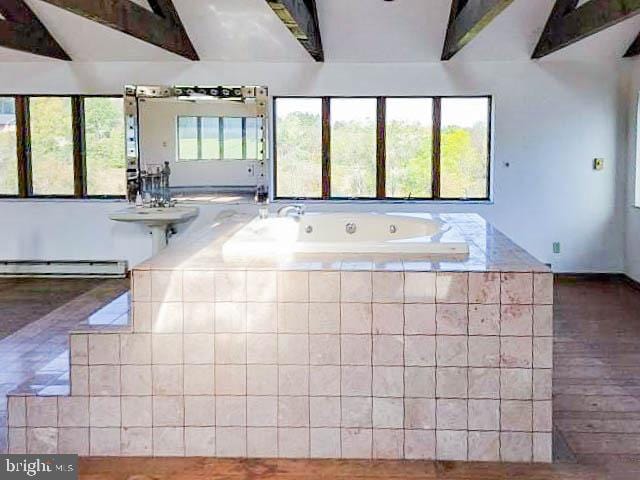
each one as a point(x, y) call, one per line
point(219, 138)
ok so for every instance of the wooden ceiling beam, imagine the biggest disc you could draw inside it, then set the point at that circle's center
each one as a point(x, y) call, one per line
point(634, 48)
point(569, 24)
point(22, 30)
point(301, 18)
point(467, 19)
point(161, 27)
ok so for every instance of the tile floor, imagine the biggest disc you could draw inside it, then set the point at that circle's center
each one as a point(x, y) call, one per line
point(36, 357)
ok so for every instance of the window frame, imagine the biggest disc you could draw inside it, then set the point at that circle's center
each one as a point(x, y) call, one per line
point(23, 141)
point(381, 149)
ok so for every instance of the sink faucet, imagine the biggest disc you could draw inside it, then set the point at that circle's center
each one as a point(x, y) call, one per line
point(298, 209)
point(155, 186)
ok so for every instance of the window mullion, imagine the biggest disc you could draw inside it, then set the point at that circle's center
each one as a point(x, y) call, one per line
point(326, 147)
point(436, 150)
point(244, 138)
point(79, 147)
point(23, 145)
point(381, 147)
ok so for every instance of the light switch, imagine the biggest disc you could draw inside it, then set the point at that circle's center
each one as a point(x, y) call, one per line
point(598, 163)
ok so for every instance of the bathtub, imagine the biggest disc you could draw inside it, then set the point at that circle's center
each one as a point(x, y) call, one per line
point(345, 233)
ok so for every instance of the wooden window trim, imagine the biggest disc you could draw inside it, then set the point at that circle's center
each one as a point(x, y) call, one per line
point(79, 147)
point(436, 150)
point(23, 143)
point(381, 150)
point(326, 148)
point(381, 147)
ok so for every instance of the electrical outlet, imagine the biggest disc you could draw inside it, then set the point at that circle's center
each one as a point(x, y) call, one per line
point(556, 247)
point(598, 164)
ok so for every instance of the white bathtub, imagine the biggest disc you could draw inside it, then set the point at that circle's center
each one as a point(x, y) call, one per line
point(344, 233)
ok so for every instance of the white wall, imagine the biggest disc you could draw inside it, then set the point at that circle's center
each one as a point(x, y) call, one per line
point(631, 88)
point(551, 120)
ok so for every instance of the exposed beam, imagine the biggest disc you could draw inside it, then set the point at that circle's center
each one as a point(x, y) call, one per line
point(634, 48)
point(301, 18)
point(22, 30)
point(569, 24)
point(467, 19)
point(161, 27)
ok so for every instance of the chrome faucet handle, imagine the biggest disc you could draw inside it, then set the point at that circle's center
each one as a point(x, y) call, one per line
point(299, 210)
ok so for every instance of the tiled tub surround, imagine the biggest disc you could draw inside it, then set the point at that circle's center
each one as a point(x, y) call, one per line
point(335, 361)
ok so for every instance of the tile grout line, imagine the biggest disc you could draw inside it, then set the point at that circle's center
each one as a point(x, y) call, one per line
point(308, 306)
point(371, 451)
point(435, 361)
point(246, 361)
point(277, 322)
point(341, 364)
point(468, 275)
point(500, 367)
point(404, 367)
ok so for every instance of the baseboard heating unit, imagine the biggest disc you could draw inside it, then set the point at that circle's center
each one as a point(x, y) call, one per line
point(64, 268)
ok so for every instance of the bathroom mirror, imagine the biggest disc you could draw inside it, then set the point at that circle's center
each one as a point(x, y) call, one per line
point(210, 139)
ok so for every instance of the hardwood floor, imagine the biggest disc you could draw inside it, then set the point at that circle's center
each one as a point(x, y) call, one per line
point(25, 300)
point(596, 390)
point(214, 469)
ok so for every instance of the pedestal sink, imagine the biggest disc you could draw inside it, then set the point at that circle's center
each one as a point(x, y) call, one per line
point(158, 220)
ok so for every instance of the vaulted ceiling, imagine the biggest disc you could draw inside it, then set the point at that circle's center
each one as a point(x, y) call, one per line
point(352, 31)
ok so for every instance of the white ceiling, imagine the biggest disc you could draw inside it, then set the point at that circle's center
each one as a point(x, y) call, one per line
point(352, 31)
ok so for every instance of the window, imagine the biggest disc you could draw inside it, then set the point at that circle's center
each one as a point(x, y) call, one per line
point(464, 148)
point(382, 148)
point(210, 133)
point(7, 106)
point(353, 147)
point(51, 145)
point(76, 146)
point(409, 144)
point(189, 138)
point(298, 145)
point(104, 143)
point(253, 135)
point(232, 138)
point(214, 138)
point(8, 153)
